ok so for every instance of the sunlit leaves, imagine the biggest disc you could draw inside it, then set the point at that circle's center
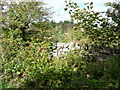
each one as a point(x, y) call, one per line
point(24, 27)
point(94, 23)
point(23, 16)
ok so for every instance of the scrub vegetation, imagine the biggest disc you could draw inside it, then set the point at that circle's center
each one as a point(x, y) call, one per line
point(28, 36)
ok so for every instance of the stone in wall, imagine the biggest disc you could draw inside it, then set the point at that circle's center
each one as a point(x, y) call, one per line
point(63, 48)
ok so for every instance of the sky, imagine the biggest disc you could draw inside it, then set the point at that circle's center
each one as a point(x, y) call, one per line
point(59, 5)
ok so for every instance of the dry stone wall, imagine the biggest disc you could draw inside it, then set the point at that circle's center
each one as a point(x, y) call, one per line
point(99, 53)
point(63, 48)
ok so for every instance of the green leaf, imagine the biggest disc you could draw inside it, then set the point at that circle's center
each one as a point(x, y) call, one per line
point(65, 9)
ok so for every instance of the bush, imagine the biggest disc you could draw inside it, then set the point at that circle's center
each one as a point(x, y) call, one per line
point(36, 70)
point(25, 62)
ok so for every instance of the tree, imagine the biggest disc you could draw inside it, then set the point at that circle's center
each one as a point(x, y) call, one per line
point(95, 26)
point(21, 19)
point(114, 11)
point(25, 39)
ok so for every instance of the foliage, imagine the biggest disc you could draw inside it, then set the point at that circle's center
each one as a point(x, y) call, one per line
point(71, 36)
point(20, 20)
point(65, 25)
point(75, 70)
point(60, 29)
point(25, 62)
point(114, 12)
point(58, 34)
point(28, 39)
point(100, 33)
point(97, 27)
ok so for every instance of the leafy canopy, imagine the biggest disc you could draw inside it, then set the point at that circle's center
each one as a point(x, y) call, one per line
point(94, 24)
point(20, 20)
